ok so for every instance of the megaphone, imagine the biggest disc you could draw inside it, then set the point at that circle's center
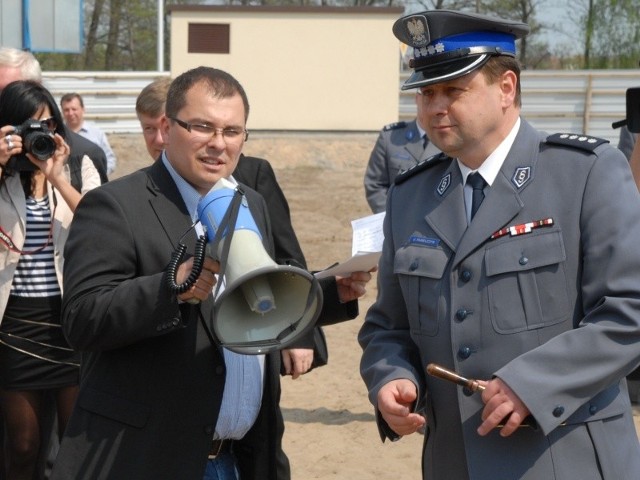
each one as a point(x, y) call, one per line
point(264, 306)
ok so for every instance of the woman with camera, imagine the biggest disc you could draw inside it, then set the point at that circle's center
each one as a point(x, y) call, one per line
point(37, 202)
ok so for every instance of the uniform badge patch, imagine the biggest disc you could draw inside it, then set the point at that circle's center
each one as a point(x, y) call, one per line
point(418, 30)
point(521, 176)
point(444, 184)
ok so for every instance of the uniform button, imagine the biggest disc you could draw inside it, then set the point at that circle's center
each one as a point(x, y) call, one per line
point(464, 352)
point(462, 314)
point(467, 391)
point(413, 266)
point(593, 409)
point(465, 276)
point(523, 260)
point(219, 370)
point(558, 411)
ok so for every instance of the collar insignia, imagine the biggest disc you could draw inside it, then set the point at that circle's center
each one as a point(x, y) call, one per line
point(444, 184)
point(521, 176)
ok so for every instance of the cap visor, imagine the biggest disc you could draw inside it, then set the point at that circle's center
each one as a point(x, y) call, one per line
point(444, 71)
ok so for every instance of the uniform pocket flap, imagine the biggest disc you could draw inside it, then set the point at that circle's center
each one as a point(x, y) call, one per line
point(420, 261)
point(525, 252)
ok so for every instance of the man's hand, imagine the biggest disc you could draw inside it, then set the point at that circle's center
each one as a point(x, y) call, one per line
point(203, 287)
point(297, 361)
point(354, 286)
point(395, 402)
point(502, 405)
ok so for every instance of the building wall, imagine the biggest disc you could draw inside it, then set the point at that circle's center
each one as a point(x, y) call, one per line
point(303, 68)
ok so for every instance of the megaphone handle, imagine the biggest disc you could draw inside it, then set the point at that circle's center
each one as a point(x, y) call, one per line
point(176, 258)
point(228, 220)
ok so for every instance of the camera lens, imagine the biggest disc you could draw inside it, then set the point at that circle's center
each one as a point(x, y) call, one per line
point(40, 145)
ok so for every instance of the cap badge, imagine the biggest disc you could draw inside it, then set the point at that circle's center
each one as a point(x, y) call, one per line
point(418, 30)
point(444, 184)
point(429, 50)
point(521, 176)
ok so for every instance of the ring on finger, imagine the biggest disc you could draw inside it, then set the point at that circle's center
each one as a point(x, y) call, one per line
point(10, 145)
point(8, 139)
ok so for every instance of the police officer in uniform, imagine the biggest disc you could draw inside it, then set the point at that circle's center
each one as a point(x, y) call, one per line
point(512, 259)
point(399, 146)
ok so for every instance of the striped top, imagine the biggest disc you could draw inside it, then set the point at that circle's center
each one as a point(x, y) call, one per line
point(35, 275)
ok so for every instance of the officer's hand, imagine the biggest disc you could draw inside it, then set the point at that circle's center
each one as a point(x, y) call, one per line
point(395, 402)
point(502, 405)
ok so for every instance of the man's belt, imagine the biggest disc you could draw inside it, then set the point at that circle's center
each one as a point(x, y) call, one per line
point(219, 447)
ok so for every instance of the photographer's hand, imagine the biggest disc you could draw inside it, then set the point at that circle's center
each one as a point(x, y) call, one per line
point(10, 144)
point(53, 170)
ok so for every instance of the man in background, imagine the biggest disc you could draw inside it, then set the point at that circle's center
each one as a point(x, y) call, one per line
point(399, 146)
point(73, 110)
point(150, 111)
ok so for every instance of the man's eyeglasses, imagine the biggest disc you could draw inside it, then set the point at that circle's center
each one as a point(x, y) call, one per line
point(231, 135)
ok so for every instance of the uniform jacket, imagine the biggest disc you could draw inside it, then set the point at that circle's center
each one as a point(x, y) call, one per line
point(13, 217)
point(152, 376)
point(398, 147)
point(554, 312)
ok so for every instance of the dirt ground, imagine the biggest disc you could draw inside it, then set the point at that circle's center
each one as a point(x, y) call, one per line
point(330, 427)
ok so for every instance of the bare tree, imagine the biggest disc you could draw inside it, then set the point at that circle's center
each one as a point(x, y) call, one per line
point(92, 33)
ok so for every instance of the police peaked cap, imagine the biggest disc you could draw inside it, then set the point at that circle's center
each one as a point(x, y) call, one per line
point(448, 44)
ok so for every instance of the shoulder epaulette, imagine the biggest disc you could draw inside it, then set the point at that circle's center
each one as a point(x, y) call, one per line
point(583, 142)
point(394, 126)
point(420, 167)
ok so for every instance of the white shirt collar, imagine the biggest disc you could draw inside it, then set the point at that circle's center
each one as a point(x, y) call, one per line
point(492, 164)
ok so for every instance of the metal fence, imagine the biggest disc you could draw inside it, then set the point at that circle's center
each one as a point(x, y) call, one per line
point(581, 101)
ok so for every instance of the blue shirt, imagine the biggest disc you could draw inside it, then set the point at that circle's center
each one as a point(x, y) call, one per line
point(243, 383)
point(97, 136)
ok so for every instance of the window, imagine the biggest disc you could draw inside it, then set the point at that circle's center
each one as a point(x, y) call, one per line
point(208, 38)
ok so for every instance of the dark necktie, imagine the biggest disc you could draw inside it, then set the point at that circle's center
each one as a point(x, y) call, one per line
point(425, 140)
point(477, 183)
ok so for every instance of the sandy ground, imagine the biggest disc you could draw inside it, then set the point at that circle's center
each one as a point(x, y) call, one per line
point(330, 426)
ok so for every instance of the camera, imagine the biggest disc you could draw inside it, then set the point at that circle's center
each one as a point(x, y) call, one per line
point(36, 140)
point(633, 109)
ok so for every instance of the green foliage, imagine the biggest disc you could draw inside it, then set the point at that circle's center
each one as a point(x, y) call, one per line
point(121, 34)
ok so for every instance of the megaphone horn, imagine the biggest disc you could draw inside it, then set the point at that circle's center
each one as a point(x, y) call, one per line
point(264, 306)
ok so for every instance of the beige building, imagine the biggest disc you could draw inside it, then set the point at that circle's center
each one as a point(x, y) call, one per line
point(304, 68)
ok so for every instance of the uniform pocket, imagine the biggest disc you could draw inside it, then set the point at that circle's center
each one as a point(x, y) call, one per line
point(526, 282)
point(420, 270)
